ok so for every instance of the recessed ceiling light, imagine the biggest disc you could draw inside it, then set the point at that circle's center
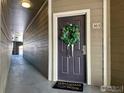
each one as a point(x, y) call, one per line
point(26, 3)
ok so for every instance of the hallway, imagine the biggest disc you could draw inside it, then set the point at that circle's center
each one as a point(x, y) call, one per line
point(23, 78)
point(77, 41)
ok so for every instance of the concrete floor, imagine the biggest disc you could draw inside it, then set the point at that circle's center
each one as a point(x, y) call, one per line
point(23, 78)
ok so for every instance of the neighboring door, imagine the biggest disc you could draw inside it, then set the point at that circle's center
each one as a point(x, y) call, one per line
point(72, 68)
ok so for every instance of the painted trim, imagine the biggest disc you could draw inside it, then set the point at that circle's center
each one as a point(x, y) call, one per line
point(55, 40)
point(50, 58)
point(107, 44)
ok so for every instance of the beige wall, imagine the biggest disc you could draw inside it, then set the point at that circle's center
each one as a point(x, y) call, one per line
point(4, 61)
point(96, 7)
point(36, 42)
point(5, 48)
point(117, 41)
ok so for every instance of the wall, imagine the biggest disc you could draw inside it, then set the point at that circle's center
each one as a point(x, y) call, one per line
point(117, 39)
point(96, 7)
point(36, 42)
point(5, 46)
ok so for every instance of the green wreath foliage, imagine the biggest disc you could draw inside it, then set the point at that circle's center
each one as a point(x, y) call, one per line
point(70, 34)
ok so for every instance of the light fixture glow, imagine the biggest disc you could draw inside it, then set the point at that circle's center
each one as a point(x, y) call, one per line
point(26, 3)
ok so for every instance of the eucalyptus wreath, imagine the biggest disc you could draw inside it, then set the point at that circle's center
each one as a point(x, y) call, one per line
point(70, 34)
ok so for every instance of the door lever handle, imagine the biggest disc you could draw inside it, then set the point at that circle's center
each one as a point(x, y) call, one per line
point(84, 50)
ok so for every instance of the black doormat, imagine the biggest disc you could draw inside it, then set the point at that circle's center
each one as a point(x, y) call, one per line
point(68, 86)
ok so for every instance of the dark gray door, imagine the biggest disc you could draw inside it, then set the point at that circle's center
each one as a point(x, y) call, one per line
point(72, 68)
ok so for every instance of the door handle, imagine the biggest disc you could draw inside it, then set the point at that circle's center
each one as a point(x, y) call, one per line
point(84, 50)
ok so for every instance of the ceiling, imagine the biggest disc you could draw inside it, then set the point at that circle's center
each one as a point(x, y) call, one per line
point(20, 17)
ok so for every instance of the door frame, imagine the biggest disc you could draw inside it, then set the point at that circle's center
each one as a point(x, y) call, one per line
point(55, 40)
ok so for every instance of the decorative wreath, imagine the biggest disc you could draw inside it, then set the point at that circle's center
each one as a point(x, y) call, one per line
point(70, 34)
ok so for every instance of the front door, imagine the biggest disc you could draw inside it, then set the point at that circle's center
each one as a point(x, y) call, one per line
point(72, 68)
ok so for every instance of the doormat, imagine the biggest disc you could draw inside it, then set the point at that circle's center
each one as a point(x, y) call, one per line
point(68, 86)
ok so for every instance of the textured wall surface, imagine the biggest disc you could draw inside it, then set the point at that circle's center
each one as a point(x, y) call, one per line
point(5, 46)
point(36, 42)
point(96, 7)
point(4, 61)
point(117, 41)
